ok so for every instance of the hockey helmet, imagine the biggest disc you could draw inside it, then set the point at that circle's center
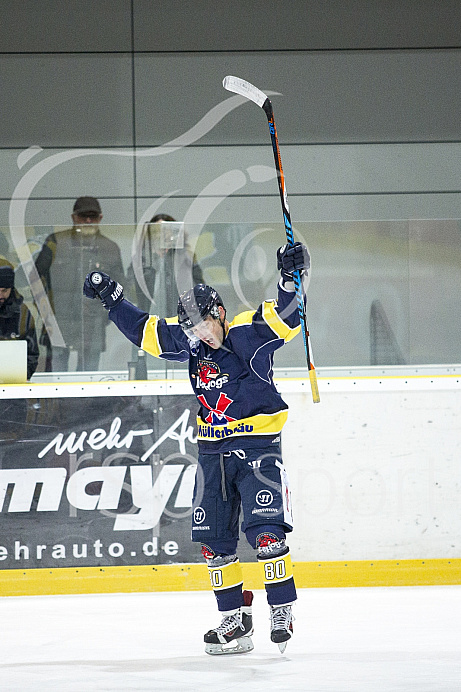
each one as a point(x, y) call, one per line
point(197, 304)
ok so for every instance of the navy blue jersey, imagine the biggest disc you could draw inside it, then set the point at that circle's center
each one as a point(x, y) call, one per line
point(240, 406)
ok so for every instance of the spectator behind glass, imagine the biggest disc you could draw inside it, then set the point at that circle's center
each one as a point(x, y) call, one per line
point(16, 321)
point(165, 264)
point(65, 257)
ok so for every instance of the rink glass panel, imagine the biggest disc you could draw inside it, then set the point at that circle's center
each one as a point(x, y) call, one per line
point(380, 292)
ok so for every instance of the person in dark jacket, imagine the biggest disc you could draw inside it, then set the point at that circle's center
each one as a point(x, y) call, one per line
point(16, 321)
point(65, 257)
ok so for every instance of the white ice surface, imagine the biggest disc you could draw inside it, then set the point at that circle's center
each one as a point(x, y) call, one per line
point(345, 640)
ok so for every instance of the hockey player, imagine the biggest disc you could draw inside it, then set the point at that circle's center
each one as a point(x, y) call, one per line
point(239, 423)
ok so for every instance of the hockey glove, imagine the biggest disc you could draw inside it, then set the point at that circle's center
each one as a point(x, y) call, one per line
point(100, 285)
point(291, 258)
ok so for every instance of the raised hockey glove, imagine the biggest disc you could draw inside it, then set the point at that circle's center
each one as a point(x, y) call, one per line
point(291, 258)
point(100, 285)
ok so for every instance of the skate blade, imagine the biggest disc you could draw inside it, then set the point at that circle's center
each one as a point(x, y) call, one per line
point(240, 646)
point(282, 646)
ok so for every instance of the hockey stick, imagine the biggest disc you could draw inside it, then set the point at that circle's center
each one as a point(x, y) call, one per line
point(240, 86)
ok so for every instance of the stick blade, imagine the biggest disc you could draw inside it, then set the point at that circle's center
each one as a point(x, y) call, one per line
point(244, 88)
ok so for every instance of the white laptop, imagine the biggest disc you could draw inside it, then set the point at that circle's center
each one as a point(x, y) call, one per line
point(13, 361)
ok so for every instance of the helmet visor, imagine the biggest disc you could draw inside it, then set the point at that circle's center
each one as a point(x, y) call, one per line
point(201, 330)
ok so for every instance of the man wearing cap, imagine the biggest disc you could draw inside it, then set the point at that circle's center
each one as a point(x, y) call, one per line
point(16, 321)
point(65, 257)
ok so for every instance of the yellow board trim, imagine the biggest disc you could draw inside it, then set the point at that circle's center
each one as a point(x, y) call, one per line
point(194, 577)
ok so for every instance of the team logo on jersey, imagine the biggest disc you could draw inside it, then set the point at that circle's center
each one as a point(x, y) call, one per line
point(209, 376)
point(207, 371)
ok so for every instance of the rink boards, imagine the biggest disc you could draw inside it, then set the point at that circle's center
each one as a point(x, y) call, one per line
point(374, 478)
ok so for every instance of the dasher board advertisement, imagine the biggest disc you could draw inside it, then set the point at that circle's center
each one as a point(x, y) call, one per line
point(97, 481)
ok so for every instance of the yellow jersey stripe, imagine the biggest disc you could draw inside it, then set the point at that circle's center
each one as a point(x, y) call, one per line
point(243, 318)
point(275, 322)
point(150, 341)
point(262, 424)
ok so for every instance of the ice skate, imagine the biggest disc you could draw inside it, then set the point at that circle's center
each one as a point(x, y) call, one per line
point(281, 625)
point(233, 636)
